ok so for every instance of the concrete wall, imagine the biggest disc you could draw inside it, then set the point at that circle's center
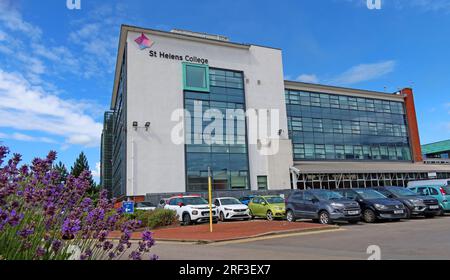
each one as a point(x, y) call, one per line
point(154, 163)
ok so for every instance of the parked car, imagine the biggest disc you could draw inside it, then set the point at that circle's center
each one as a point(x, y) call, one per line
point(146, 206)
point(439, 189)
point(246, 199)
point(374, 205)
point(440, 192)
point(230, 208)
point(415, 204)
point(269, 207)
point(191, 209)
point(321, 206)
point(163, 202)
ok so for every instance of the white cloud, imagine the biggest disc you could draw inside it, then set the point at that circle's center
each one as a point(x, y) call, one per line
point(13, 20)
point(26, 138)
point(24, 107)
point(308, 78)
point(96, 172)
point(364, 72)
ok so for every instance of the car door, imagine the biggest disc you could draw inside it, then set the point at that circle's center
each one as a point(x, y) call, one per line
point(295, 202)
point(309, 208)
point(255, 206)
point(264, 206)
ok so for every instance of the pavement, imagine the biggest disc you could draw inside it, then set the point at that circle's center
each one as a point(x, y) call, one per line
point(414, 239)
point(229, 231)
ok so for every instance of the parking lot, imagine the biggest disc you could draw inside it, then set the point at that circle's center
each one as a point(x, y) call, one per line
point(417, 238)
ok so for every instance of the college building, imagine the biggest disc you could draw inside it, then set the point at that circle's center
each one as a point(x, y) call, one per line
point(327, 136)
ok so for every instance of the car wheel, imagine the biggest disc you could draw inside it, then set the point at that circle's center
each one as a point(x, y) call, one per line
point(222, 217)
point(324, 218)
point(290, 216)
point(187, 219)
point(269, 215)
point(369, 216)
point(441, 213)
point(408, 213)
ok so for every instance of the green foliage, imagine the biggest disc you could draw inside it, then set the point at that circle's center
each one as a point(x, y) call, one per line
point(156, 218)
point(62, 170)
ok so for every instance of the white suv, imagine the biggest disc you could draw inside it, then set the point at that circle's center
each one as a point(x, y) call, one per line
point(191, 209)
point(230, 208)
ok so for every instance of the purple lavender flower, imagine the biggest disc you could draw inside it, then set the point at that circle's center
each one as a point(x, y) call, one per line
point(70, 227)
point(40, 252)
point(14, 218)
point(136, 256)
point(56, 245)
point(24, 233)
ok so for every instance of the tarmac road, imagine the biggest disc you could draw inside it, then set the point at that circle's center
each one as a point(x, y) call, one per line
point(409, 239)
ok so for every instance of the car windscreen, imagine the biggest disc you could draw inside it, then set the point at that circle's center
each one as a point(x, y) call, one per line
point(194, 201)
point(326, 195)
point(274, 199)
point(230, 201)
point(370, 194)
point(402, 192)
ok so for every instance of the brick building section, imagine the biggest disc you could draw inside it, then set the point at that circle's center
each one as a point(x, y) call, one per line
point(413, 128)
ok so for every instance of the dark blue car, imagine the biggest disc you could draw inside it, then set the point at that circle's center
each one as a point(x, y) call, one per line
point(374, 205)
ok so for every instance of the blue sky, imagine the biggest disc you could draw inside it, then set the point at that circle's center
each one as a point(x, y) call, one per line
point(56, 64)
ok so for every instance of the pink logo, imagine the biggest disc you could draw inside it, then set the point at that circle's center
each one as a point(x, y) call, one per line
point(144, 42)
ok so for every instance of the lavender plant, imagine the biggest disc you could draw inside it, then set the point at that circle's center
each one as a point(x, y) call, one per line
point(44, 218)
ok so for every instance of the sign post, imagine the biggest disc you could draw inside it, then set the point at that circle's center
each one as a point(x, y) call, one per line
point(128, 207)
point(210, 200)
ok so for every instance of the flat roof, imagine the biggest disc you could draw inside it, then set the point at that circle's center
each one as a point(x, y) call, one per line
point(319, 167)
point(437, 147)
point(295, 85)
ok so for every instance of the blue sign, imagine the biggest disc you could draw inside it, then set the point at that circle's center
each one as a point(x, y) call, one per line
point(128, 207)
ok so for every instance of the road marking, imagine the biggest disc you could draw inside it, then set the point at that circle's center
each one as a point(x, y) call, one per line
point(273, 237)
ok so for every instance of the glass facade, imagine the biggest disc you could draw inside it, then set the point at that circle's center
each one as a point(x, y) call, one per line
point(228, 161)
point(119, 138)
point(336, 127)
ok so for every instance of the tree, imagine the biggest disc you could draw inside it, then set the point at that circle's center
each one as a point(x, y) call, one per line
point(62, 170)
point(81, 164)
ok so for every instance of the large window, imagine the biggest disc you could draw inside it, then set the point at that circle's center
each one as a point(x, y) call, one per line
point(196, 77)
point(334, 127)
point(228, 160)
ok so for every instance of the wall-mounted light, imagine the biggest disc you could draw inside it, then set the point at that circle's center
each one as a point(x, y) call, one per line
point(147, 125)
point(135, 125)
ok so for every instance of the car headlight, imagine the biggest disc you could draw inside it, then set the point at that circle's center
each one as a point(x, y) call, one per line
point(380, 206)
point(337, 205)
point(195, 212)
point(415, 201)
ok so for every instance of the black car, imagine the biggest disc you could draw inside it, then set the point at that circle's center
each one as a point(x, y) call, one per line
point(374, 205)
point(416, 205)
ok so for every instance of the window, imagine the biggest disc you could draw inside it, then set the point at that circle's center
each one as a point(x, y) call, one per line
point(196, 77)
point(262, 182)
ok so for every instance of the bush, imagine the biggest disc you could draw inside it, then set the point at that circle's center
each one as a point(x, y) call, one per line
point(156, 218)
point(43, 218)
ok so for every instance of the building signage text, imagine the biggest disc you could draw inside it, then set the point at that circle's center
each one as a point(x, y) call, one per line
point(178, 57)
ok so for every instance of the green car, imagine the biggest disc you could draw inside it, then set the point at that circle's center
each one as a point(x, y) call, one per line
point(269, 207)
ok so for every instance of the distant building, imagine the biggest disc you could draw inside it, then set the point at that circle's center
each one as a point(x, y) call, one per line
point(106, 153)
point(438, 150)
